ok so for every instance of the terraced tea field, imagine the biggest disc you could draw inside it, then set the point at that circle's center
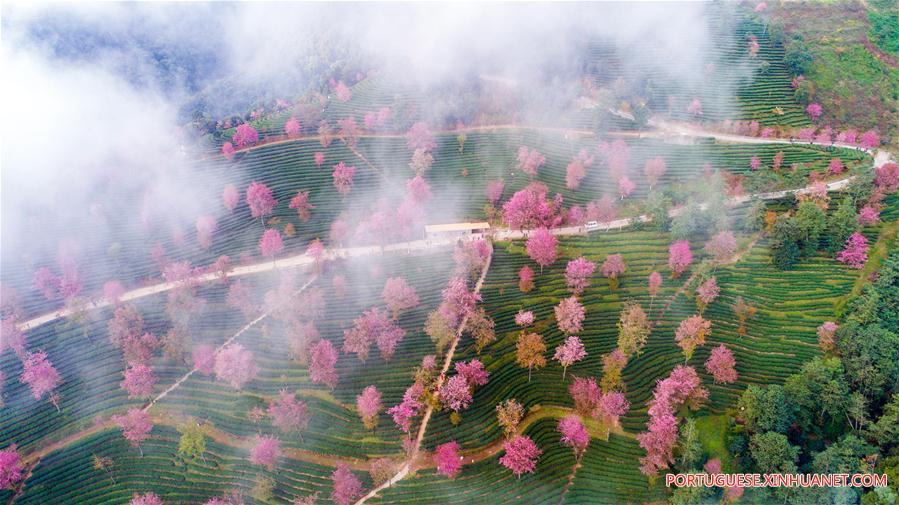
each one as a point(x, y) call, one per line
point(278, 303)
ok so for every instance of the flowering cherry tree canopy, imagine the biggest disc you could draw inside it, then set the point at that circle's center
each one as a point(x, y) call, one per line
point(447, 459)
point(259, 198)
point(721, 365)
point(521, 455)
point(235, 365)
point(541, 247)
point(577, 274)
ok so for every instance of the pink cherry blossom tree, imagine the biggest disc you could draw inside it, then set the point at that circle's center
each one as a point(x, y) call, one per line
point(612, 268)
point(230, 197)
point(658, 441)
point(322, 359)
point(531, 208)
point(806, 134)
point(348, 131)
point(146, 499)
point(473, 371)
point(240, 297)
point(10, 467)
point(471, 256)
point(139, 381)
point(706, 293)
point(135, 425)
point(575, 216)
point(654, 169)
point(755, 163)
point(541, 247)
point(292, 127)
point(343, 178)
point(260, 200)
point(887, 177)
point(569, 352)
point(419, 189)
point(342, 91)
point(369, 406)
point(814, 111)
point(12, 337)
point(835, 166)
point(206, 227)
point(316, 251)
point(408, 409)
point(419, 137)
point(695, 107)
point(139, 348)
point(586, 394)
point(288, 414)
point(301, 204)
point(691, 333)
point(570, 315)
point(48, 283)
point(577, 274)
point(574, 435)
point(204, 359)
point(712, 466)
point(447, 459)
point(524, 318)
point(722, 246)
point(398, 295)
point(868, 215)
point(529, 160)
point(625, 187)
point(228, 150)
point(679, 257)
point(125, 323)
point(113, 291)
point(827, 336)
point(869, 140)
point(847, 136)
point(235, 365)
point(856, 252)
point(458, 301)
point(270, 244)
point(266, 451)
point(347, 486)
point(455, 393)
point(245, 135)
point(778, 160)
point(374, 326)
point(681, 386)
point(421, 161)
point(575, 172)
point(721, 364)
point(319, 158)
point(525, 279)
point(611, 407)
point(521, 455)
point(325, 133)
point(617, 157)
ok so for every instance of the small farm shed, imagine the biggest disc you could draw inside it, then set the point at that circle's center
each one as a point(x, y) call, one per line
point(454, 230)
